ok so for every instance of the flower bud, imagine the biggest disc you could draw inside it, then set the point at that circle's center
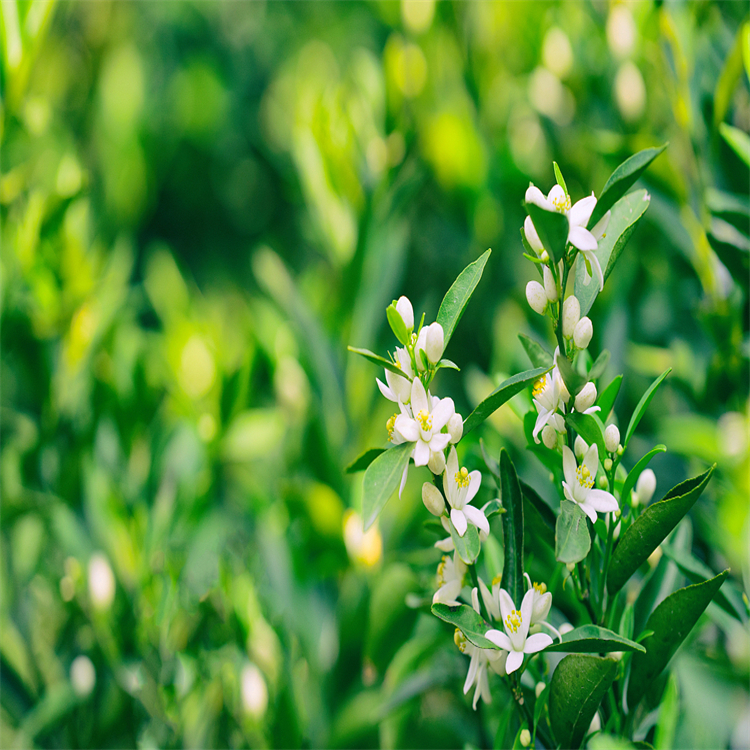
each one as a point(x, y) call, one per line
point(532, 237)
point(596, 724)
point(550, 287)
point(536, 297)
point(582, 333)
point(436, 463)
point(539, 689)
point(566, 627)
point(549, 436)
point(421, 345)
point(607, 464)
point(601, 480)
point(456, 428)
point(571, 315)
point(580, 447)
point(586, 397)
point(646, 485)
point(432, 499)
point(611, 438)
point(525, 737)
point(571, 567)
point(406, 311)
point(434, 342)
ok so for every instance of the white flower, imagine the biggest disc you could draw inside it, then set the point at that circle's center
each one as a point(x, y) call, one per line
point(550, 396)
point(432, 499)
point(424, 427)
point(430, 340)
point(584, 402)
point(532, 237)
point(550, 286)
point(571, 315)
point(398, 388)
point(579, 483)
point(536, 297)
point(583, 332)
point(644, 488)
point(516, 639)
point(612, 438)
point(451, 572)
point(460, 488)
point(406, 311)
point(456, 428)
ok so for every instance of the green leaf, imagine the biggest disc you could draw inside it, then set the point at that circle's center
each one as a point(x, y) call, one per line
point(363, 460)
point(573, 380)
point(671, 621)
point(512, 499)
point(636, 471)
point(447, 363)
point(608, 397)
point(626, 214)
point(642, 406)
point(578, 685)
point(600, 365)
point(669, 713)
point(467, 621)
point(504, 392)
point(572, 538)
point(538, 355)
point(622, 179)
point(738, 140)
point(552, 228)
point(493, 507)
point(382, 478)
point(651, 528)
point(592, 639)
point(468, 545)
point(560, 179)
point(396, 323)
point(457, 297)
point(539, 518)
point(590, 428)
point(378, 360)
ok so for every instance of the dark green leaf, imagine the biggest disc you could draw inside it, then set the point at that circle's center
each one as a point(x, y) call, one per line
point(651, 528)
point(608, 397)
point(538, 355)
point(598, 368)
point(468, 545)
point(378, 360)
point(396, 323)
point(539, 518)
point(552, 228)
point(467, 621)
point(457, 297)
point(504, 392)
point(512, 499)
point(573, 380)
point(572, 538)
point(622, 179)
point(382, 478)
point(640, 410)
point(363, 460)
point(592, 639)
point(590, 428)
point(578, 685)
point(636, 471)
point(738, 139)
point(671, 621)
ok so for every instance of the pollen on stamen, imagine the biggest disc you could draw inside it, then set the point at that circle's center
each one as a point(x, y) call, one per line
point(497, 579)
point(584, 476)
point(540, 588)
point(441, 571)
point(539, 386)
point(513, 621)
point(462, 477)
point(390, 426)
point(562, 204)
point(425, 420)
point(460, 640)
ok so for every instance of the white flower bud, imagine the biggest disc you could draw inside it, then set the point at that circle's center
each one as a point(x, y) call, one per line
point(583, 332)
point(436, 462)
point(536, 297)
point(434, 342)
point(525, 737)
point(607, 464)
point(101, 581)
point(611, 438)
point(406, 311)
point(586, 397)
point(549, 436)
point(601, 480)
point(539, 689)
point(420, 346)
point(557, 421)
point(432, 499)
point(571, 315)
point(646, 485)
point(580, 447)
point(532, 237)
point(596, 724)
point(82, 676)
point(550, 287)
point(571, 567)
point(456, 428)
point(566, 627)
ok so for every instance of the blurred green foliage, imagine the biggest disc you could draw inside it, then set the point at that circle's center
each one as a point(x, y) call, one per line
point(202, 205)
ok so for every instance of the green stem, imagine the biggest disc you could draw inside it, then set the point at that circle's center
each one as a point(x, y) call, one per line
point(605, 567)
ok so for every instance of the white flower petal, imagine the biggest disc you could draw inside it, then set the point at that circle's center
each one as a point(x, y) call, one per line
point(557, 194)
point(527, 606)
point(541, 421)
point(499, 639)
point(582, 238)
point(475, 480)
point(386, 391)
point(419, 397)
point(407, 428)
point(532, 237)
point(421, 453)
point(459, 521)
point(445, 545)
point(569, 466)
point(447, 593)
point(439, 441)
point(473, 666)
point(581, 211)
point(475, 516)
point(536, 643)
point(591, 459)
point(442, 413)
point(603, 501)
point(506, 605)
point(515, 659)
point(536, 196)
point(589, 510)
point(489, 601)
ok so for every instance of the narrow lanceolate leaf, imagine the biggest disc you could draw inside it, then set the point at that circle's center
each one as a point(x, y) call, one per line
point(468, 545)
point(539, 519)
point(467, 621)
point(538, 355)
point(608, 397)
point(560, 179)
point(510, 494)
point(503, 393)
point(640, 410)
point(637, 470)
point(378, 360)
point(598, 368)
point(738, 139)
point(552, 228)
point(622, 179)
point(671, 621)
point(590, 428)
point(382, 478)
point(578, 685)
point(457, 297)
point(362, 461)
point(572, 539)
point(651, 528)
point(592, 639)
point(626, 214)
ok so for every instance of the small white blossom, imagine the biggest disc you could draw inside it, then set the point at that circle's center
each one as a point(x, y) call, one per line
point(582, 333)
point(571, 315)
point(536, 297)
point(579, 483)
point(585, 399)
point(644, 488)
point(550, 396)
point(406, 311)
point(460, 487)
point(580, 447)
point(611, 438)
point(451, 572)
point(432, 499)
point(398, 388)
point(532, 237)
point(430, 340)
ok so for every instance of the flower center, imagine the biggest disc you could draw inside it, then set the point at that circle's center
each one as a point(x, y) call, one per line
point(562, 204)
point(462, 477)
point(539, 386)
point(584, 476)
point(460, 640)
point(425, 420)
point(441, 571)
point(513, 621)
point(390, 425)
point(497, 579)
point(540, 588)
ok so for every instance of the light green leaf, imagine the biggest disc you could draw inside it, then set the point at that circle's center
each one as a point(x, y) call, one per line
point(640, 410)
point(467, 621)
point(457, 297)
point(510, 493)
point(669, 713)
point(363, 460)
point(468, 545)
point(600, 365)
point(382, 478)
point(590, 428)
point(671, 621)
point(592, 639)
point(449, 364)
point(651, 528)
point(637, 470)
point(504, 392)
point(738, 140)
point(560, 179)
point(378, 360)
point(538, 355)
point(552, 228)
point(608, 397)
point(572, 538)
point(578, 685)
point(396, 323)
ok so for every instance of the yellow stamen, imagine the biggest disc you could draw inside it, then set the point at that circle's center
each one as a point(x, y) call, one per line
point(462, 477)
point(539, 386)
point(497, 579)
point(562, 204)
point(540, 588)
point(425, 420)
point(441, 571)
point(513, 621)
point(460, 640)
point(584, 476)
point(390, 425)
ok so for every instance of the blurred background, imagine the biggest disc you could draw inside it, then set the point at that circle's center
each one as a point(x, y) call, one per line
point(202, 204)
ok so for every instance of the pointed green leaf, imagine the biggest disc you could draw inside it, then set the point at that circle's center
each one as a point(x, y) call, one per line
point(671, 621)
point(652, 528)
point(560, 179)
point(552, 228)
point(504, 392)
point(590, 428)
point(578, 685)
point(455, 301)
point(493, 507)
point(622, 179)
point(738, 139)
point(512, 499)
point(640, 410)
point(573, 380)
point(447, 363)
point(363, 460)
point(608, 397)
point(467, 621)
point(382, 478)
point(396, 323)
point(637, 470)
point(592, 639)
point(539, 519)
point(538, 355)
point(468, 545)
point(572, 538)
point(378, 360)
point(598, 368)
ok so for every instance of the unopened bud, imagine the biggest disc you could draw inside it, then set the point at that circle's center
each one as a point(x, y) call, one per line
point(421, 346)
point(434, 342)
point(550, 287)
point(566, 627)
point(456, 428)
point(571, 315)
point(406, 311)
point(646, 485)
point(583, 332)
point(607, 464)
point(620, 450)
point(525, 737)
point(571, 567)
point(601, 481)
point(580, 447)
point(432, 499)
point(436, 462)
point(611, 438)
point(532, 237)
point(585, 399)
point(549, 436)
point(536, 297)
point(539, 689)
point(596, 724)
